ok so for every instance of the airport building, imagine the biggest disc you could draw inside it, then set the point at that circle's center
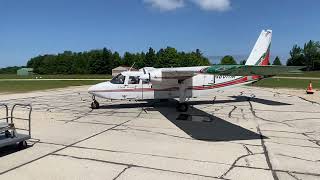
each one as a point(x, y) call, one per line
point(25, 72)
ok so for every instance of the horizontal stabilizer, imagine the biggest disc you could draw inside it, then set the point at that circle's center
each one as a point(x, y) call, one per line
point(249, 70)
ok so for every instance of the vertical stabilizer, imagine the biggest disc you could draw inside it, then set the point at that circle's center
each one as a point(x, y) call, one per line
point(260, 53)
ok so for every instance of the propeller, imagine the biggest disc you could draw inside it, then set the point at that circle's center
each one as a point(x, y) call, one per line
point(146, 76)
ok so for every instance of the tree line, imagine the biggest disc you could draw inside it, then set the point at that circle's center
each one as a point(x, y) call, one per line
point(102, 61)
point(10, 70)
point(229, 60)
point(308, 56)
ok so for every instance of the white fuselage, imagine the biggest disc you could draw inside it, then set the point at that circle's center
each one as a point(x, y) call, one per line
point(165, 88)
point(181, 82)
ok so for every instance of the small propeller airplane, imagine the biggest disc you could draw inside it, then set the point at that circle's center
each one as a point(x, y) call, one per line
point(189, 82)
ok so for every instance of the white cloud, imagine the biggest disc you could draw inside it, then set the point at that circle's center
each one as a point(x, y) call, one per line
point(208, 5)
point(213, 5)
point(166, 5)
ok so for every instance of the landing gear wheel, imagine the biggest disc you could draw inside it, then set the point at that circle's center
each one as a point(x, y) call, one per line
point(22, 145)
point(95, 105)
point(7, 134)
point(182, 107)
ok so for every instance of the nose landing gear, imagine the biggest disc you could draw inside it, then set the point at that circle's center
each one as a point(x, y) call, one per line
point(182, 107)
point(95, 103)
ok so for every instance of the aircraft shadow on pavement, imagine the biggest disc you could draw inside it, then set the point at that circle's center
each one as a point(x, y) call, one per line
point(241, 99)
point(199, 124)
point(151, 103)
point(203, 126)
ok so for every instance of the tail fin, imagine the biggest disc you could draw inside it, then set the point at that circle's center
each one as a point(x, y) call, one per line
point(260, 53)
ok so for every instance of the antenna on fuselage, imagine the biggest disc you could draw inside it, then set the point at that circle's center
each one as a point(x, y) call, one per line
point(132, 66)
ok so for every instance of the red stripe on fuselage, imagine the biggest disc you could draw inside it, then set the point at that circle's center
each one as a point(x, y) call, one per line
point(229, 83)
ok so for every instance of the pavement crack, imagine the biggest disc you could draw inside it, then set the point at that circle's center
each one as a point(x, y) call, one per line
point(64, 147)
point(165, 134)
point(248, 150)
point(312, 102)
point(243, 115)
point(134, 165)
point(274, 174)
point(121, 172)
point(233, 165)
point(292, 175)
point(263, 119)
point(298, 158)
point(311, 139)
point(233, 109)
point(293, 145)
point(249, 153)
point(266, 154)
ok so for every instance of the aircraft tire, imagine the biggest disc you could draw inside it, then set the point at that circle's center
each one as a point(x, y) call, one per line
point(95, 105)
point(182, 107)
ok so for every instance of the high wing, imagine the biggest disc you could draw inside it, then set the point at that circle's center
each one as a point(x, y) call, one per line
point(256, 64)
point(249, 70)
point(227, 70)
point(182, 73)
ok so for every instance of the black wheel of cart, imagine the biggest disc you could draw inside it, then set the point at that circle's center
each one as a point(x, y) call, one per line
point(7, 134)
point(22, 145)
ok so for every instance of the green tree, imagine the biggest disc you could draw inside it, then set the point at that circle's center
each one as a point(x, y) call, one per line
point(102, 61)
point(151, 58)
point(107, 61)
point(116, 60)
point(10, 70)
point(128, 59)
point(228, 60)
point(243, 62)
point(139, 59)
point(277, 61)
point(169, 57)
point(310, 51)
point(296, 57)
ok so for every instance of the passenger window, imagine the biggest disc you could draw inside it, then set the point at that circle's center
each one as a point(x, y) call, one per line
point(133, 80)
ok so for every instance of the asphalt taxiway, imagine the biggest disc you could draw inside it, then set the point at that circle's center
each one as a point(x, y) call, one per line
point(238, 133)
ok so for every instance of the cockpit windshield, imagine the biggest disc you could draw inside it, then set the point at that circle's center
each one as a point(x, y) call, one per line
point(119, 79)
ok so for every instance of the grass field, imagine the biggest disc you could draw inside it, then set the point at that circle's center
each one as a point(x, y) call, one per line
point(59, 76)
point(303, 74)
point(102, 76)
point(287, 83)
point(27, 86)
point(20, 86)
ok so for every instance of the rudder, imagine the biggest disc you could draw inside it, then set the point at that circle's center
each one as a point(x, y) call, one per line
point(260, 53)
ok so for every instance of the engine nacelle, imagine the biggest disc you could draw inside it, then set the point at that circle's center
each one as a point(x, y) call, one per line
point(155, 75)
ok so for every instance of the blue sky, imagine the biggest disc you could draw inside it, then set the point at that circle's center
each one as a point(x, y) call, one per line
point(217, 27)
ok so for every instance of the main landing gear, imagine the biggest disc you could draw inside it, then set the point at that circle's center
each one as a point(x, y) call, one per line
point(94, 104)
point(182, 107)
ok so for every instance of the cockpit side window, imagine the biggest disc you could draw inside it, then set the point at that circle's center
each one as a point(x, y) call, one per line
point(119, 79)
point(133, 80)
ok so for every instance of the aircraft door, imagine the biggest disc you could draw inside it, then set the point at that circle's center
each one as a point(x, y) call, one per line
point(134, 87)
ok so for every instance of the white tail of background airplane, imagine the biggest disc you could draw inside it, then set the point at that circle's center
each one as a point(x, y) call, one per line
point(260, 53)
